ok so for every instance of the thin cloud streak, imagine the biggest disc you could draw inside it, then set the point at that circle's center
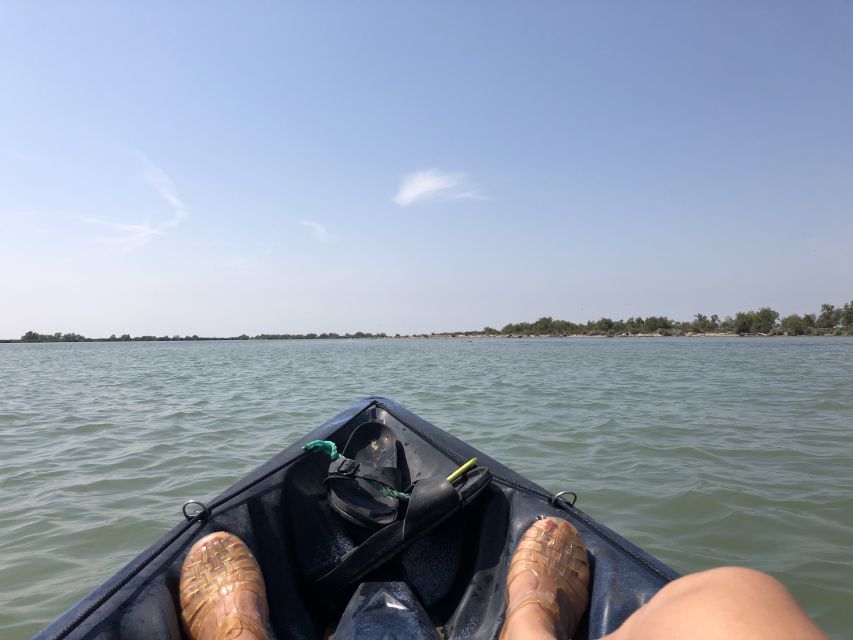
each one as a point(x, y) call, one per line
point(164, 185)
point(433, 184)
point(318, 231)
point(132, 236)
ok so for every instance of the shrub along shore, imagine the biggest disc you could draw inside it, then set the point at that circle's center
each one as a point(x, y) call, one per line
point(831, 320)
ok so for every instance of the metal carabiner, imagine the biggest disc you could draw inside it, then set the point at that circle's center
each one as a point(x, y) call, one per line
point(559, 496)
point(203, 511)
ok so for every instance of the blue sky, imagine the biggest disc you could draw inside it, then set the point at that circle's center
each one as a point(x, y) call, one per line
point(220, 168)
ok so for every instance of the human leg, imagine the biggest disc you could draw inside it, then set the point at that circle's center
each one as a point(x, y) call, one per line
point(547, 583)
point(729, 602)
point(222, 596)
point(547, 573)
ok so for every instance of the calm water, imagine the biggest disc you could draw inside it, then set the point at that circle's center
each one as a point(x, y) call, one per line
point(702, 451)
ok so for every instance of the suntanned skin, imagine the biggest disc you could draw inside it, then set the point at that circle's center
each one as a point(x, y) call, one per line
point(530, 623)
point(730, 602)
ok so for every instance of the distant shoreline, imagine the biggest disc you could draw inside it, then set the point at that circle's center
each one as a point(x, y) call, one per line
point(831, 320)
point(439, 336)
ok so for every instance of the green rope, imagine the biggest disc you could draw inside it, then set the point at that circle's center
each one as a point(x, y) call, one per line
point(325, 446)
point(385, 490)
point(331, 449)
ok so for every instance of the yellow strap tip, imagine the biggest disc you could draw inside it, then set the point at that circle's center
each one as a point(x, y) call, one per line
point(462, 470)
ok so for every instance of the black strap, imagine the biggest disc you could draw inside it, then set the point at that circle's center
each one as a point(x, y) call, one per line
point(431, 497)
point(433, 501)
point(346, 468)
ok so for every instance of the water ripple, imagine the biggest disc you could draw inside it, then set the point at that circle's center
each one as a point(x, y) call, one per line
point(704, 452)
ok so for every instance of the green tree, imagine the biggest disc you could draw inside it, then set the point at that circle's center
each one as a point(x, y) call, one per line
point(761, 321)
point(829, 317)
point(743, 321)
point(603, 325)
point(764, 320)
point(702, 324)
point(795, 325)
point(543, 325)
point(518, 327)
point(847, 316)
point(654, 324)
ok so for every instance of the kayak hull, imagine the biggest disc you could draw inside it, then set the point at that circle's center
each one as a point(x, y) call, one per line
point(453, 578)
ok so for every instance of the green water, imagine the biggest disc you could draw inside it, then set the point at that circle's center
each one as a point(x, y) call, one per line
point(703, 451)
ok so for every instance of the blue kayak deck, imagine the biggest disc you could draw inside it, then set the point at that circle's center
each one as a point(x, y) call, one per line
point(452, 579)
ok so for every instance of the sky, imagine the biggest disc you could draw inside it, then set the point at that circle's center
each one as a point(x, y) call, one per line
point(225, 168)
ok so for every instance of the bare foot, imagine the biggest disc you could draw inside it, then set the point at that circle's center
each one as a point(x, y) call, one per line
point(222, 591)
point(549, 569)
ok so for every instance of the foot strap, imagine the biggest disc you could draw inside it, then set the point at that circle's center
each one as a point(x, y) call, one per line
point(551, 550)
point(236, 624)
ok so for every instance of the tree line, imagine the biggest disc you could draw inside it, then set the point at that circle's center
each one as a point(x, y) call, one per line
point(830, 320)
point(33, 336)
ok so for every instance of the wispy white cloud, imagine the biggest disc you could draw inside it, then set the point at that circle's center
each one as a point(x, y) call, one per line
point(433, 184)
point(127, 237)
point(320, 233)
point(163, 184)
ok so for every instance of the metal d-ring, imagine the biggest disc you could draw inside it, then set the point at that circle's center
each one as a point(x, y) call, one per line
point(559, 496)
point(202, 513)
